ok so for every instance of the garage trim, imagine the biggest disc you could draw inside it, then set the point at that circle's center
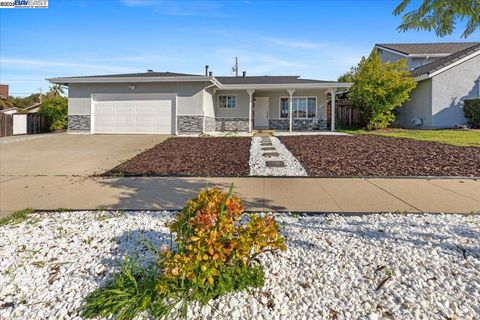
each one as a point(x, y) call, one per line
point(153, 96)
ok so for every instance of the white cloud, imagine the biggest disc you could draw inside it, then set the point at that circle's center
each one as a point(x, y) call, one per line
point(295, 44)
point(15, 63)
point(180, 8)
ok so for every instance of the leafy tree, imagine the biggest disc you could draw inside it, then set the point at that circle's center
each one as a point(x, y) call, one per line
point(346, 77)
point(379, 88)
point(56, 91)
point(56, 110)
point(440, 15)
point(25, 102)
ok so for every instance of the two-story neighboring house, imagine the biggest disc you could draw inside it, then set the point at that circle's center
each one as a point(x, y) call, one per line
point(446, 74)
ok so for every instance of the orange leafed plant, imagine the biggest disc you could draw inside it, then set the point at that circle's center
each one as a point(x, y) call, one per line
point(211, 236)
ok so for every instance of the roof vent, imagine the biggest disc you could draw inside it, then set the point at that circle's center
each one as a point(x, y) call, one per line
point(206, 70)
point(210, 73)
point(149, 70)
point(244, 74)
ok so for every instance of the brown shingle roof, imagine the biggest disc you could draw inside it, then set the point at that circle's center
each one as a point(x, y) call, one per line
point(445, 61)
point(427, 48)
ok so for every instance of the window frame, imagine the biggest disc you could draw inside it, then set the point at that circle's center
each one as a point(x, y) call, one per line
point(297, 97)
point(226, 107)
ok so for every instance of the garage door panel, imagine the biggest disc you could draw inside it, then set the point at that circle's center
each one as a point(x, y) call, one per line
point(120, 119)
point(133, 116)
point(104, 107)
point(105, 128)
point(126, 108)
point(104, 119)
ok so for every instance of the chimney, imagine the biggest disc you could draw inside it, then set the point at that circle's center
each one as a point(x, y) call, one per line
point(210, 74)
point(149, 70)
point(206, 70)
point(244, 74)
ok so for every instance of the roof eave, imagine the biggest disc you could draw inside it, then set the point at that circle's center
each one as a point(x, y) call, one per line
point(69, 80)
point(260, 86)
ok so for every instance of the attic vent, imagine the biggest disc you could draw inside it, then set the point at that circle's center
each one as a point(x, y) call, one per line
point(149, 70)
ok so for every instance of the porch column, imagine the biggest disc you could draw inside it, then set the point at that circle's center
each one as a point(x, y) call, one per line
point(332, 126)
point(290, 108)
point(250, 107)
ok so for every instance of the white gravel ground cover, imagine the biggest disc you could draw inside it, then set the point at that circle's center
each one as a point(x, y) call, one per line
point(257, 161)
point(388, 266)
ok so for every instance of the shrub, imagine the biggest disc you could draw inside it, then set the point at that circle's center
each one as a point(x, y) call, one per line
point(214, 254)
point(379, 88)
point(471, 110)
point(56, 110)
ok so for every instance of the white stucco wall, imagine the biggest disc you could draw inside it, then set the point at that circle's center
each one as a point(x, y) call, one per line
point(450, 88)
point(190, 96)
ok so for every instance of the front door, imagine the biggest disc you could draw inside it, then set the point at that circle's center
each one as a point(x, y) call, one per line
point(261, 112)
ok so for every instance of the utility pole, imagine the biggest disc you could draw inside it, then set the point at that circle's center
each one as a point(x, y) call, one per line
point(41, 93)
point(235, 67)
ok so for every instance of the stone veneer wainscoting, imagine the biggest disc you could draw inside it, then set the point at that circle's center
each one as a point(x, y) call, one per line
point(190, 123)
point(298, 124)
point(78, 123)
point(231, 124)
point(210, 124)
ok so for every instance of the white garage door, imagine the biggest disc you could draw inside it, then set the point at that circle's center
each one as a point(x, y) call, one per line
point(127, 116)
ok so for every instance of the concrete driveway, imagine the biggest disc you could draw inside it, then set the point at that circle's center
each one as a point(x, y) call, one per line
point(55, 171)
point(71, 154)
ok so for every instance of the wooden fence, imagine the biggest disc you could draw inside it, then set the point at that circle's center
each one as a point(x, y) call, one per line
point(36, 123)
point(346, 115)
point(6, 125)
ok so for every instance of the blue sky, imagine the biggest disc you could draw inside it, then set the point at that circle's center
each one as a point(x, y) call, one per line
point(314, 39)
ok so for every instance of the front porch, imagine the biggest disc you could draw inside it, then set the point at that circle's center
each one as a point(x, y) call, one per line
point(302, 108)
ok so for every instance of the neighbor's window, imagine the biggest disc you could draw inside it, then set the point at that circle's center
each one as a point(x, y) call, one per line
point(302, 107)
point(227, 101)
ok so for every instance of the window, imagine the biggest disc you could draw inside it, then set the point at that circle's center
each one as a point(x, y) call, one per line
point(227, 101)
point(283, 107)
point(302, 107)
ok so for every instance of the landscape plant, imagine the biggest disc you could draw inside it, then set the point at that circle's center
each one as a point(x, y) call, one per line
point(214, 253)
point(379, 88)
point(56, 110)
point(471, 110)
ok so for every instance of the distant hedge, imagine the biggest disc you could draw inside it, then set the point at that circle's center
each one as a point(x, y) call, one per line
point(471, 109)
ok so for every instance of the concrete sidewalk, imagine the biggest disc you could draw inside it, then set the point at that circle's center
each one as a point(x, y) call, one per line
point(340, 195)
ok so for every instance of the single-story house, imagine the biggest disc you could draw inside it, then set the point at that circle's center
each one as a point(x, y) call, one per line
point(172, 103)
point(34, 108)
point(446, 75)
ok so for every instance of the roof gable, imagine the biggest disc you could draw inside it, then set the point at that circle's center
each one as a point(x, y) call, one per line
point(425, 49)
point(429, 69)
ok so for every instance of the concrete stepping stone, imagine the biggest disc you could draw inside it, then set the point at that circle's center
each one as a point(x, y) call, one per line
point(275, 164)
point(271, 154)
point(266, 144)
point(268, 148)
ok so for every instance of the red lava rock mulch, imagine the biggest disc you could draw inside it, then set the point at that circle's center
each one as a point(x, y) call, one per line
point(217, 156)
point(370, 155)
